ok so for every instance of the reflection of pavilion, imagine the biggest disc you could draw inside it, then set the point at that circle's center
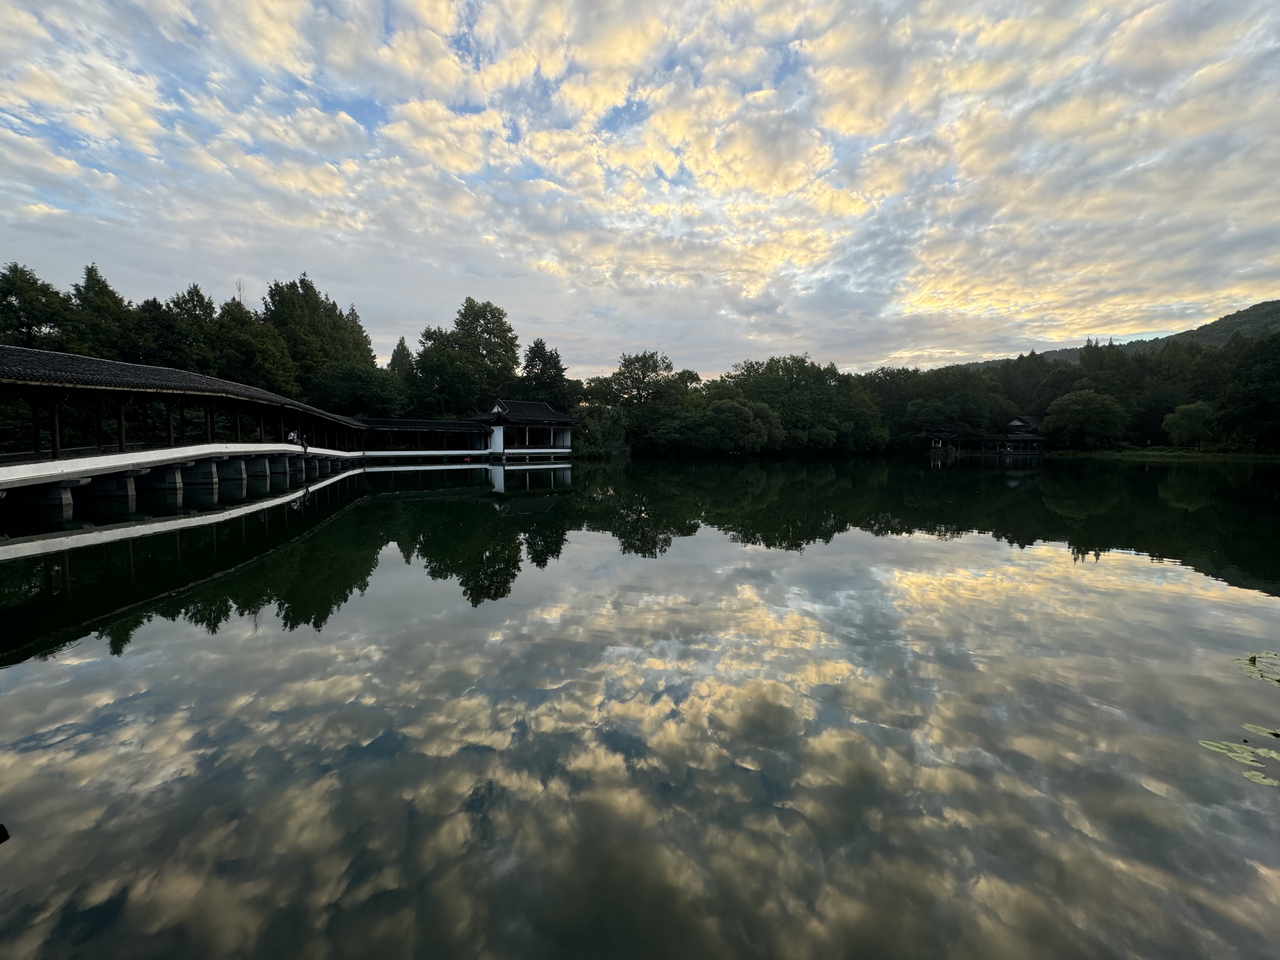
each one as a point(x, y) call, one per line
point(530, 478)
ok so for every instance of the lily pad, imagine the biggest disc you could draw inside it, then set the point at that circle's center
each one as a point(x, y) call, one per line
point(1261, 731)
point(1261, 666)
point(1238, 752)
point(1261, 778)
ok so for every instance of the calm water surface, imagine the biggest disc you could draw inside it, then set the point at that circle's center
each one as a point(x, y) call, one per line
point(785, 710)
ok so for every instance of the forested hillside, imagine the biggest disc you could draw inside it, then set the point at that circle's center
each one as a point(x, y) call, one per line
point(1181, 392)
point(1251, 322)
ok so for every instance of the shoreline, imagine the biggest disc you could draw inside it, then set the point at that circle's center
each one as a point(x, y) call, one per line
point(1163, 455)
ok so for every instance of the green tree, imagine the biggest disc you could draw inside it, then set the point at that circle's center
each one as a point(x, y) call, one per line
point(1085, 419)
point(543, 377)
point(183, 335)
point(160, 338)
point(1250, 407)
point(1190, 423)
point(32, 312)
point(819, 407)
point(401, 362)
point(100, 319)
point(466, 368)
point(640, 376)
point(483, 331)
point(247, 349)
point(316, 331)
point(355, 390)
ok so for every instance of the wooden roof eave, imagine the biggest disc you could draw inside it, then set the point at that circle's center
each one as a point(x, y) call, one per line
point(175, 392)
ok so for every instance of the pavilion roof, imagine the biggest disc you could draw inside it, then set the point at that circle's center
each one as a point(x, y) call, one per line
point(524, 411)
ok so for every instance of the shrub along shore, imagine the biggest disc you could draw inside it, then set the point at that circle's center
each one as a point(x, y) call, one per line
point(1211, 393)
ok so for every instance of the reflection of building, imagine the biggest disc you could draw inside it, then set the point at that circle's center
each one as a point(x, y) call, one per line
point(1022, 437)
point(535, 478)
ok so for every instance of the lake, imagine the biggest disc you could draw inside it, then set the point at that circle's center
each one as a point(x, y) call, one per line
point(804, 709)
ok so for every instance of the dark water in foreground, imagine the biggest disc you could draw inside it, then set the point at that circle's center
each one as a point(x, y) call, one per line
point(797, 710)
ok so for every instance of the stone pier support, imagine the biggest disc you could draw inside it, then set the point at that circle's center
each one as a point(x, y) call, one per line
point(324, 467)
point(232, 480)
point(313, 468)
point(114, 495)
point(200, 484)
point(257, 472)
point(52, 503)
point(279, 474)
point(161, 489)
point(297, 472)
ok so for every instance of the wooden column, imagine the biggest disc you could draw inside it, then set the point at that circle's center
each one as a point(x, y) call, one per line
point(35, 424)
point(121, 439)
point(208, 424)
point(57, 431)
point(237, 416)
point(168, 417)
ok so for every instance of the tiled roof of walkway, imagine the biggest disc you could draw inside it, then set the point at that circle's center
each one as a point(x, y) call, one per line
point(46, 368)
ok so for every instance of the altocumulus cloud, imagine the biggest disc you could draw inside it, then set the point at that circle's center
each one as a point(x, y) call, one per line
point(892, 182)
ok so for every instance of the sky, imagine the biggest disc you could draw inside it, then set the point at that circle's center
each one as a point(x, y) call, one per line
point(894, 182)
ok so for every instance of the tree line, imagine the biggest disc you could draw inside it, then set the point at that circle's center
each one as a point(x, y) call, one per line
point(1179, 392)
point(299, 344)
point(303, 345)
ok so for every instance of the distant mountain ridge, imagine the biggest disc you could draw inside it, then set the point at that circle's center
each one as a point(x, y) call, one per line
point(1251, 322)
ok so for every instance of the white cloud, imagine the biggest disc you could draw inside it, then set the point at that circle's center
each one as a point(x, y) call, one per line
point(828, 177)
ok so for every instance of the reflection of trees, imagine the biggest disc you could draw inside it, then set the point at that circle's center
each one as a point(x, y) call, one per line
point(468, 540)
point(1220, 519)
point(1092, 506)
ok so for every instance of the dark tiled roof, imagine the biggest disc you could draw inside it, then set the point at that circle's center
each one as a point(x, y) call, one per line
point(19, 365)
point(448, 426)
point(524, 411)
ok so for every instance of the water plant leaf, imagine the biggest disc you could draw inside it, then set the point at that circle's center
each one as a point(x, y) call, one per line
point(1222, 747)
point(1267, 752)
point(1245, 759)
point(1261, 731)
point(1261, 666)
point(1261, 778)
point(1236, 751)
point(1215, 745)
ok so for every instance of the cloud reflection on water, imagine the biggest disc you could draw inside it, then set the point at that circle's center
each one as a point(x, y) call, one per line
point(886, 746)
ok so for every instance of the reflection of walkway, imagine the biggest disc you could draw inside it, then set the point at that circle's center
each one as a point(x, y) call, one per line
point(534, 477)
point(43, 544)
point(59, 588)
